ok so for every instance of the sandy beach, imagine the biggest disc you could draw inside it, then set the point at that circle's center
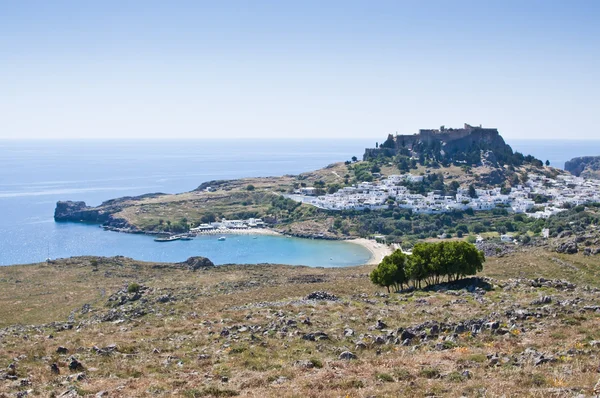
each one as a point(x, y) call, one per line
point(228, 231)
point(378, 250)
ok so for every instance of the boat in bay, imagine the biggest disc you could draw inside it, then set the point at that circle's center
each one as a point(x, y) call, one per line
point(167, 239)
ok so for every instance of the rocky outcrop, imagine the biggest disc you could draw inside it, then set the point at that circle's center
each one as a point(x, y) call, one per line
point(585, 166)
point(103, 214)
point(79, 211)
point(194, 263)
point(569, 247)
point(451, 144)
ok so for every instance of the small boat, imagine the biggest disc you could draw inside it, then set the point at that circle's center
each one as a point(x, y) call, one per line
point(167, 239)
point(186, 237)
point(222, 238)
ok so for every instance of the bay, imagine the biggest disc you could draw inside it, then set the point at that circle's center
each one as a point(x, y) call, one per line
point(34, 175)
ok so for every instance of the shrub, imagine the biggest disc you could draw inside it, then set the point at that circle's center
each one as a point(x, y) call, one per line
point(429, 373)
point(133, 288)
point(384, 377)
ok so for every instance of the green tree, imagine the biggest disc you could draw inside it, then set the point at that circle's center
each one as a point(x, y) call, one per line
point(472, 192)
point(391, 271)
point(250, 187)
point(354, 159)
point(419, 266)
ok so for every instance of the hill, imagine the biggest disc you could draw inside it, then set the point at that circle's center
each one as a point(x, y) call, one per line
point(470, 145)
point(585, 166)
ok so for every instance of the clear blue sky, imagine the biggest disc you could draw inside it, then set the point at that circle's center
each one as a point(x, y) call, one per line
point(218, 69)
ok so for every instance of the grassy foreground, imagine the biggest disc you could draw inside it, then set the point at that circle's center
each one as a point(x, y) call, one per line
point(127, 328)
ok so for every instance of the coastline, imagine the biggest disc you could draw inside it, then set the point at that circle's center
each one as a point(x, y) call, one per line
point(378, 250)
point(230, 231)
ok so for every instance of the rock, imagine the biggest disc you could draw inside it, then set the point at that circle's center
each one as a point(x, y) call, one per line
point(460, 328)
point(360, 345)
point(322, 296)
point(197, 262)
point(348, 332)
point(75, 365)
point(304, 364)
point(542, 300)
point(492, 325)
point(78, 376)
point(106, 350)
point(466, 374)
point(165, 298)
point(224, 379)
point(54, 368)
point(569, 247)
point(379, 340)
point(69, 394)
point(584, 166)
point(407, 335)
point(347, 355)
point(72, 211)
point(380, 325)
point(280, 380)
point(315, 336)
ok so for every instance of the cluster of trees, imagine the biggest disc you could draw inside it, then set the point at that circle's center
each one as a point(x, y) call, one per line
point(362, 171)
point(402, 225)
point(429, 263)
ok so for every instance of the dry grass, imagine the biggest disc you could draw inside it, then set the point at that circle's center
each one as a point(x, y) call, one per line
point(162, 353)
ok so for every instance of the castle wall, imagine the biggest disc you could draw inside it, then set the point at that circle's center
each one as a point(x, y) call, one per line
point(428, 136)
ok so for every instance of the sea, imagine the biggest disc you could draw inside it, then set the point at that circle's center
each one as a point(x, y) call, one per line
point(34, 175)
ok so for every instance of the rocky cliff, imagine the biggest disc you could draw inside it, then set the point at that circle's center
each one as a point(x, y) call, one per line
point(104, 214)
point(585, 166)
point(79, 211)
point(446, 144)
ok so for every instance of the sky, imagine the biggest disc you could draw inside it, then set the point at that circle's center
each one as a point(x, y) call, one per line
point(297, 69)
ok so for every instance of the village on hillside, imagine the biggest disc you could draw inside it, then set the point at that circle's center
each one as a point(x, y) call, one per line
point(556, 195)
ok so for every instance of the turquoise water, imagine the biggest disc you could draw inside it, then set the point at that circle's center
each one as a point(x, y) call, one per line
point(36, 174)
point(77, 239)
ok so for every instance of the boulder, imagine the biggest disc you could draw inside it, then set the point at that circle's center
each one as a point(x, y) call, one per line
point(197, 262)
point(347, 355)
point(569, 247)
point(321, 296)
point(75, 365)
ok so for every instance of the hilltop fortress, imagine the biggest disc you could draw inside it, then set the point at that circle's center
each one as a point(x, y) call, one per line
point(449, 143)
